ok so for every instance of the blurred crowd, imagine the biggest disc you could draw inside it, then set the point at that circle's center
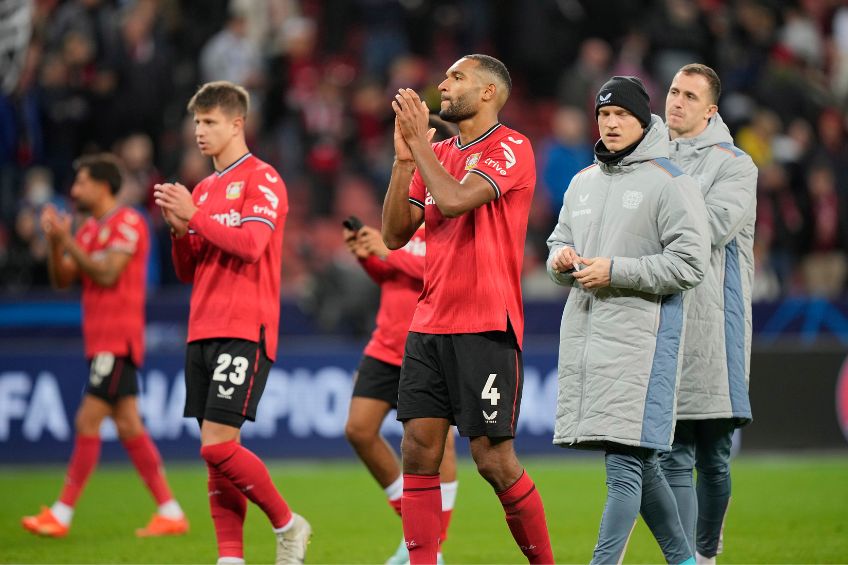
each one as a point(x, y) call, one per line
point(86, 75)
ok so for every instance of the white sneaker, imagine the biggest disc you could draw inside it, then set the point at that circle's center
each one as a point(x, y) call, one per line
point(401, 555)
point(230, 561)
point(701, 560)
point(291, 544)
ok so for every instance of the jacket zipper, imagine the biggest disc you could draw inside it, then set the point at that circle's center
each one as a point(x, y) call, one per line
point(591, 311)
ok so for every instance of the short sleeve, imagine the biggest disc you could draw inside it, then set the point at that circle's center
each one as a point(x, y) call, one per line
point(265, 198)
point(507, 164)
point(417, 190)
point(125, 233)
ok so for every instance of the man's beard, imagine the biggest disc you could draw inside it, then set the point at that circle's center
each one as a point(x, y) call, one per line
point(81, 207)
point(457, 111)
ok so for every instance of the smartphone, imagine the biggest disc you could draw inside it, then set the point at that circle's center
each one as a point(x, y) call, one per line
point(352, 223)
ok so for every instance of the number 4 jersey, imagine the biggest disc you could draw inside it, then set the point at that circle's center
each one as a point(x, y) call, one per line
point(232, 253)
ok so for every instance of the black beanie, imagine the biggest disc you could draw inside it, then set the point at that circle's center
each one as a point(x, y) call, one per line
point(628, 93)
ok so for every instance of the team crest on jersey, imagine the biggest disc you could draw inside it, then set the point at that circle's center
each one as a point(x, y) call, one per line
point(234, 190)
point(472, 161)
point(103, 235)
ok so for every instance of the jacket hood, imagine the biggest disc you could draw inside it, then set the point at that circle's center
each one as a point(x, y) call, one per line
point(716, 132)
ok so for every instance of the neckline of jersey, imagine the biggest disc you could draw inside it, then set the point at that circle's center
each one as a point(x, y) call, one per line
point(479, 139)
point(105, 217)
point(238, 162)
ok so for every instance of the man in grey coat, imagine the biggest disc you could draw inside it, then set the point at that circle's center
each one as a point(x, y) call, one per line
point(631, 236)
point(713, 397)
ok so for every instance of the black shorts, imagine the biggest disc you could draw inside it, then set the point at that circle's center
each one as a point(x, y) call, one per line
point(377, 379)
point(111, 377)
point(225, 379)
point(473, 380)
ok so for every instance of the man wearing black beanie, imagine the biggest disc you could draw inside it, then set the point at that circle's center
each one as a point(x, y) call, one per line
point(631, 236)
point(627, 94)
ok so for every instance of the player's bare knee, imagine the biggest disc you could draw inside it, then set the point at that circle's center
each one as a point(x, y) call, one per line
point(87, 424)
point(128, 427)
point(359, 435)
point(419, 458)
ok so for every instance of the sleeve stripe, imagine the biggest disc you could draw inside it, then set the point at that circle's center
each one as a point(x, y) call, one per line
point(490, 179)
point(258, 219)
point(416, 203)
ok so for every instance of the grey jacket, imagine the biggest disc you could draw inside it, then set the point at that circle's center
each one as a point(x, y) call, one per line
point(717, 352)
point(619, 355)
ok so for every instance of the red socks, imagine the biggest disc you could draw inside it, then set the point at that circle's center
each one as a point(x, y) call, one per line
point(395, 504)
point(83, 461)
point(422, 508)
point(525, 517)
point(445, 521)
point(229, 507)
point(148, 463)
point(249, 474)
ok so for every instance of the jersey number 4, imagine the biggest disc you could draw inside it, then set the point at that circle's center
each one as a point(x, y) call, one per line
point(225, 361)
point(490, 393)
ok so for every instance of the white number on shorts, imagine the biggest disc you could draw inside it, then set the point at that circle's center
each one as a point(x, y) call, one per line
point(240, 364)
point(101, 367)
point(490, 393)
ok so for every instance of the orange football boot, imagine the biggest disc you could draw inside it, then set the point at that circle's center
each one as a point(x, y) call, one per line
point(45, 524)
point(161, 526)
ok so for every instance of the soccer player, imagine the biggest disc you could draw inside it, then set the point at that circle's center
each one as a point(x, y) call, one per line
point(631, 236)
point(109, 255)
point(400, 275)
point(462, 363)
point(227, 240)
point(713, 398)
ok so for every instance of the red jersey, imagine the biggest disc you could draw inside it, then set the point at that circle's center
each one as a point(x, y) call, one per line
point(472, 279)
point(232, 254)
point(400, 276)
point(113, 316)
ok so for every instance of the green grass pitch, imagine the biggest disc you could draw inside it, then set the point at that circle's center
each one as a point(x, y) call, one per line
point(784, 510)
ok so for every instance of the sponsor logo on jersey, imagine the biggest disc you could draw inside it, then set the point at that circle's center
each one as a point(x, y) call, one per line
point(509, 155)
point(234, 190)
point(230, 219)
point(130, 234)
point(271, 178)
point(583, 212)
point(472, 161)
point(203, 198)
point(495, 165)
point(416, 246)
point(583, 198)
point(428, 200)
point(264, 210)
point(631, 199)
point(270, 196)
